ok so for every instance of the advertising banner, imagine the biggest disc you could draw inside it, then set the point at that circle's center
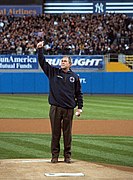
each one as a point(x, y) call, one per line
point(85, 6)
point(18, 62)
point(20, 10)
point(95, 62)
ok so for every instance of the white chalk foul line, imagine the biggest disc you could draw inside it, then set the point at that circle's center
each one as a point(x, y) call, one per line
point(64, 174)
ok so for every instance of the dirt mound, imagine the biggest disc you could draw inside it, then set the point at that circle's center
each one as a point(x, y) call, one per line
point(35, 169)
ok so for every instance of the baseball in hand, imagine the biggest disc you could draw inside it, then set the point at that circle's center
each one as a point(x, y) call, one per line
point(77, 113)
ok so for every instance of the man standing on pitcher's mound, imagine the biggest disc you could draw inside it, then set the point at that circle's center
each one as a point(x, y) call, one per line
point(65, 94)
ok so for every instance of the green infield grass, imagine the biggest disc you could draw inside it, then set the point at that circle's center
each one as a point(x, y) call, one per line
point(95, 107)
point(100, 149)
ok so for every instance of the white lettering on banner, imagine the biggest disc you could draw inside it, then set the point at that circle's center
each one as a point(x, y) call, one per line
point(86, 62)
point(97, 61)
point(18, 59)
point(4, 60)
point(7, 66)
point(76, 62)
point(24, 60)
point(83, 80)
point(49, 61)
point(18, 62)
point(54, 62)
point(15, 66)
point(23, 66)
point(10, 59)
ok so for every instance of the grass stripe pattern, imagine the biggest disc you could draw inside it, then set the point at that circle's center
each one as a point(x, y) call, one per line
point(95, 107)
point(102, 149)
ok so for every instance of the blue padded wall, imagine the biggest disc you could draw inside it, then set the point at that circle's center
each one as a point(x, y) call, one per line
point(92, 82)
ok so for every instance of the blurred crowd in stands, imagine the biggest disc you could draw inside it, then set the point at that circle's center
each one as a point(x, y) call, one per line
point(73, 34)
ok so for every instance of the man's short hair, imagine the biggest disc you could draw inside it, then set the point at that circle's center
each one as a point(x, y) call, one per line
point(69, 59)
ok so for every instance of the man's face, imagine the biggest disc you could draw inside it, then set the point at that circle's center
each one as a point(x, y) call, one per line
point(65, 64)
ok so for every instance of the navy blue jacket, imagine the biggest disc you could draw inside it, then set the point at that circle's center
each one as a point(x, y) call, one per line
point(65, 88)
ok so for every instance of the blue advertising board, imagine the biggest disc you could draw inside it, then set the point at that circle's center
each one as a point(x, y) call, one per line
point(18, 62)
point(95, 62)
point(19, 10)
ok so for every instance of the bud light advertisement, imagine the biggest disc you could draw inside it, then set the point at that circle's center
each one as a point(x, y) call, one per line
point(95, 62)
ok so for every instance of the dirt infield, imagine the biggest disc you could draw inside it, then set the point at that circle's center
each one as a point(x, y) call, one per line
point(35, 169)
point(97, 127)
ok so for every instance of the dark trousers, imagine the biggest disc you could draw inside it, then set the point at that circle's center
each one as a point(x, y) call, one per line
point(61, 118)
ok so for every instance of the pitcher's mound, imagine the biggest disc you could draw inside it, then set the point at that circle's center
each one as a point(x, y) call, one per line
point(35, 169)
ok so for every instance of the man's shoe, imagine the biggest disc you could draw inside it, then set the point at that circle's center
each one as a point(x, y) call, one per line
point(67, 160)
point(54, 160)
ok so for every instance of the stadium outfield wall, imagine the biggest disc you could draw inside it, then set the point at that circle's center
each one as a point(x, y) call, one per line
point(92, 83)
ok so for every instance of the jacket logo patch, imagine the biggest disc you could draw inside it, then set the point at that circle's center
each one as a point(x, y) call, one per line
point(59, 76)
point(72, 79)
